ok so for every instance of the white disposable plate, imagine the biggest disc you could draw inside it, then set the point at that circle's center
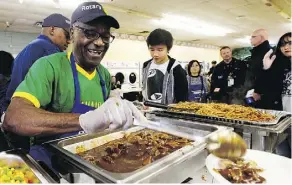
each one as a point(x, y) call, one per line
point(277, 169)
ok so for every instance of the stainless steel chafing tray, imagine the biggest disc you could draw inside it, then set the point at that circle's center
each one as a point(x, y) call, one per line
point(258, 137)
point(283, 123)
point(171, 111)
point(18, 155)
point(65, 150)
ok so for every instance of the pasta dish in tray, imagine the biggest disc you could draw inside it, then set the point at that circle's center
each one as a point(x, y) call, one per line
point(221, 110)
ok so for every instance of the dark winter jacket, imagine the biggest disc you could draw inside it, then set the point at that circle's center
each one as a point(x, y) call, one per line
point(236, 69)
point(255, 66)
point(272, 84)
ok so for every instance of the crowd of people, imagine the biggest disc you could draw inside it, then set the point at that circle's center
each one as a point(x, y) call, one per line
point(263, 81)
point(51, 94)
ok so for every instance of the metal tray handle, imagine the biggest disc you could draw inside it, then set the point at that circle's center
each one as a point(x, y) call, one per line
point(49, 171)
point(157, 105)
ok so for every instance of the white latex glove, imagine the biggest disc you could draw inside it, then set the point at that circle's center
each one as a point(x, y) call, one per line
point(268, 60)
point(249, 93)
point(113, 114)
point(115, 93)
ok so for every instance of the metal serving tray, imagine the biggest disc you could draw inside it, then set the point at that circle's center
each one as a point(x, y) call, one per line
point(66, 148)
point(283, 120)
point(166, 109)
point(19, 156)
point(278, 116)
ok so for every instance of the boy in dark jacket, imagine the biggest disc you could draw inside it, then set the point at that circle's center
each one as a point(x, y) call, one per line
point(163, 78)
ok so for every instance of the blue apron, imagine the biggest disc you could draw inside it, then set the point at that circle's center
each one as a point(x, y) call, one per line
point(38, 152)
point(196, 91)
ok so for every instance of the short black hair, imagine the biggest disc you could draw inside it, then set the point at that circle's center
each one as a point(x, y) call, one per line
point(280, 43)
point(160, 36)
point(191, 64)
point(214, 62)
point(281, 60)
point(6, 63)
point(225, 47)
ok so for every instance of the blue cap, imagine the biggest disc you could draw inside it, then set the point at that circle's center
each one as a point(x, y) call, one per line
point(89, 11)
point(57, 20)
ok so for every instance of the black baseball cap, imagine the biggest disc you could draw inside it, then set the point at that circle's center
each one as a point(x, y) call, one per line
point(89, 11)
point(57, 20)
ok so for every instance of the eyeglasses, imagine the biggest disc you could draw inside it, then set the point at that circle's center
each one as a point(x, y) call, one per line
point(284, 43)
point(92, 34)
point(254, 36)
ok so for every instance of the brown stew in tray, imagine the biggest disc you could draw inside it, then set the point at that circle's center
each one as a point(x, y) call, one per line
point(134, 151)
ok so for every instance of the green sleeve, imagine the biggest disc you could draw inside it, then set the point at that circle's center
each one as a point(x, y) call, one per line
point(38, 83)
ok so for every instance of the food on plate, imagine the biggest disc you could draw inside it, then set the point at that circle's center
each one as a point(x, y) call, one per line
point(222, 110)
point(16, 172)
point(240, 171)
point(134, 150)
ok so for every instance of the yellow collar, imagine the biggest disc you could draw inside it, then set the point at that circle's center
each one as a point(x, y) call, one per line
point(81, 70)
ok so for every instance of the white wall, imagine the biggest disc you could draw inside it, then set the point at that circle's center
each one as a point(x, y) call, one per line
point(130, 50)
point(14, 42)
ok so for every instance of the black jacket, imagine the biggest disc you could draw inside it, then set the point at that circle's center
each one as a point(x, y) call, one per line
point(272, 83)
point(236, 69)
point(211, 71)
point(255, 66)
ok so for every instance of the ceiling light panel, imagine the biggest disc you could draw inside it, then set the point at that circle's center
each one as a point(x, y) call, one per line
point(191, 25)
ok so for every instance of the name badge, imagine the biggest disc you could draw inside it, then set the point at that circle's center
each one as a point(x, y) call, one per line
point(230, 82)
point(220, 77)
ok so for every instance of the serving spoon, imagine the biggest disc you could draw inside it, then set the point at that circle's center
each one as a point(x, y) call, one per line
point(226, 144)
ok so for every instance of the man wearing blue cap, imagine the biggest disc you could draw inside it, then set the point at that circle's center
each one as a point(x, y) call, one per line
point(54, 38)
point(63, 94)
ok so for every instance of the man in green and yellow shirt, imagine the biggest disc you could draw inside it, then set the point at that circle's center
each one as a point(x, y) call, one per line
point(63, 94)
point(57, 67)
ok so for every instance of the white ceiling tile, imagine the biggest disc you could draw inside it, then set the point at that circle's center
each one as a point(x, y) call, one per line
point(136, 15)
